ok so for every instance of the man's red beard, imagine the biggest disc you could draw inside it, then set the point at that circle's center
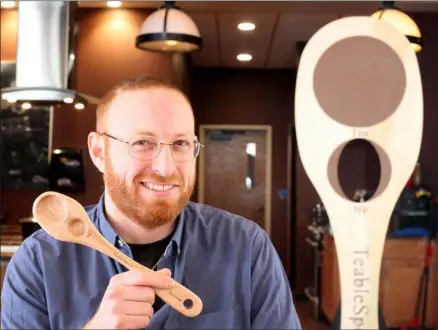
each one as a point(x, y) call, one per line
point(151, 214)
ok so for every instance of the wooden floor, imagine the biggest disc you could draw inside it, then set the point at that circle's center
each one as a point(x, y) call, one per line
point(308, 322)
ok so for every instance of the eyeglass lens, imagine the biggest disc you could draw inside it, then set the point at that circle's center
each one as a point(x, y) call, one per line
point(147, 147)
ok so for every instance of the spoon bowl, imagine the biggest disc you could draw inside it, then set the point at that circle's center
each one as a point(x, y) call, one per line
point(52, 214)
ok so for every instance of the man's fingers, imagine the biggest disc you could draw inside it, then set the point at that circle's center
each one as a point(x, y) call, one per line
point(165, 271)
point(157, 280)
point(136, 308)
point(137, 293)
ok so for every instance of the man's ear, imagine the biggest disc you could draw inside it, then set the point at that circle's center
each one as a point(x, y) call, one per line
point(96, 148)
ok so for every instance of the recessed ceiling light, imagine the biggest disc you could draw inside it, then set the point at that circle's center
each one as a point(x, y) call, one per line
point(8, 4)
point(244, 57)
point(246, 26)
point(114, 4)
point(26, 106)
point(79, 106)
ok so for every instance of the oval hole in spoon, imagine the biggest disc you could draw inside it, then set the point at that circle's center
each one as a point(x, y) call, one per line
point(371, 159)
point(51, 213)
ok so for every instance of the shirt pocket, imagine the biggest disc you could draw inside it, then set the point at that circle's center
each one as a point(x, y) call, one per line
point(232, 318)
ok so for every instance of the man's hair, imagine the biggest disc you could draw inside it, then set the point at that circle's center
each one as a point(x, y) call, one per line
point(134, 84)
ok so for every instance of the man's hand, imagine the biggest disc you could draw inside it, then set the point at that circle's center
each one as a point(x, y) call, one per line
point(128, 299)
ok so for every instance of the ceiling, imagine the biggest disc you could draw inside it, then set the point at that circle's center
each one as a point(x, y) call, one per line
point(280, 25)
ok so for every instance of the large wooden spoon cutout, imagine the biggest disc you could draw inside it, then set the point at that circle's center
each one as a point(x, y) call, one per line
point(66, 220)
point(359, 78)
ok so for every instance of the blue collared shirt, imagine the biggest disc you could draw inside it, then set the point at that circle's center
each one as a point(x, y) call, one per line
point(228, 261)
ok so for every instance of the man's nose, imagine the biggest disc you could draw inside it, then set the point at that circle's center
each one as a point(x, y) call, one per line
point(164, 164)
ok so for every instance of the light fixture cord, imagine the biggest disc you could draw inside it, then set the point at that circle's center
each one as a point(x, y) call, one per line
point(167, 6)
point(387, 5)
point(166, 14)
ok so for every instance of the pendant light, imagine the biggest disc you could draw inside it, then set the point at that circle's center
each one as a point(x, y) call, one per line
point(402, 22)
point(169, 29)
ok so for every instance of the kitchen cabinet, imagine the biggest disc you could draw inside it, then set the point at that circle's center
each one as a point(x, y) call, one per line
point(402, 267)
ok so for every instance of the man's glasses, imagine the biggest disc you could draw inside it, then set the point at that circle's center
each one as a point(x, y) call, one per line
point(145, 147)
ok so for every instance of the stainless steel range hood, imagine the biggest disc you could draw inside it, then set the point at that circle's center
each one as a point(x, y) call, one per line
point(44, 69)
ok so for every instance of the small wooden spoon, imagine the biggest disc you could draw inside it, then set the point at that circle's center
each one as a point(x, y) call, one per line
point(66, 220)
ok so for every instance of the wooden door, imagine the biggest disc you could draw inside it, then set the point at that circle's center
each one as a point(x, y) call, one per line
point(235, 171)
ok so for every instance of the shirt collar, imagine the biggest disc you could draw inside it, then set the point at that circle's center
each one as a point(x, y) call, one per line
point(110, 234)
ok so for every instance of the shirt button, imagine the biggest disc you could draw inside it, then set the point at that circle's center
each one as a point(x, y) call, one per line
point(121, 242)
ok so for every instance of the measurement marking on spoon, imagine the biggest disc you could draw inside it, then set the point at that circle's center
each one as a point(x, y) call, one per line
point(174, 296)
point(360, 209)
point(359, 133)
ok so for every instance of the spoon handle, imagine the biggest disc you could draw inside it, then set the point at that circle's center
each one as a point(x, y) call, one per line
point(178, 297)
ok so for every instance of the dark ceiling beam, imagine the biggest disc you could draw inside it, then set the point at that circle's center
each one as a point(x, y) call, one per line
point(300, 7)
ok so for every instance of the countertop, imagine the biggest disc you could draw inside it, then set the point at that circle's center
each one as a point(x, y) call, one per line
point(7, 251)
point(11, 240)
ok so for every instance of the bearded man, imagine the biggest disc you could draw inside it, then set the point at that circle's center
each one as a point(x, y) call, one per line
point(145, 147)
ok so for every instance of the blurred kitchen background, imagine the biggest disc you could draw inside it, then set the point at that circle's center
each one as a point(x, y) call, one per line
point(241, 82)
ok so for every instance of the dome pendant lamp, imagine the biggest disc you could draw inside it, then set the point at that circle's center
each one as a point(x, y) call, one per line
point(169, 30)
point(402, 22)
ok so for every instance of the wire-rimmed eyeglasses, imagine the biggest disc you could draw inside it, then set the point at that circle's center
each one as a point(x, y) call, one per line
point(144, 147)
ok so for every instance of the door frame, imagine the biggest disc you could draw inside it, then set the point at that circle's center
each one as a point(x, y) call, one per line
point(268, 176)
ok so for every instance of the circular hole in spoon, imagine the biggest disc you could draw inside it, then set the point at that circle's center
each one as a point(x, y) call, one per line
point(188, 303)
point(359, 81)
